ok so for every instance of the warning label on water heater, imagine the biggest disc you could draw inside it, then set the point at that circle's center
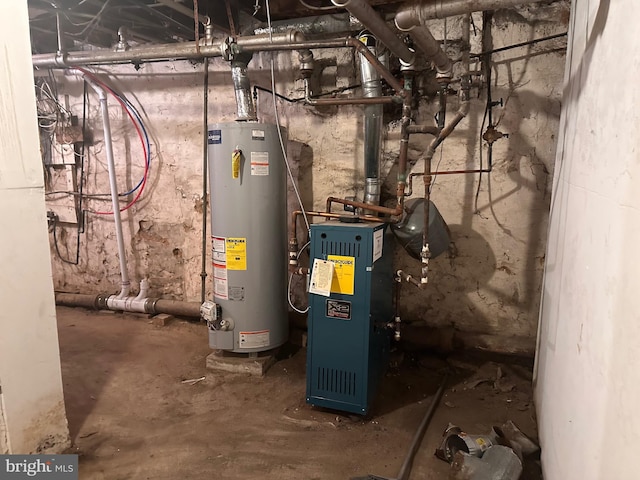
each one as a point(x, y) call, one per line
point(254, 339)
point(260, 163)
point(236, 253)
point(220, 277)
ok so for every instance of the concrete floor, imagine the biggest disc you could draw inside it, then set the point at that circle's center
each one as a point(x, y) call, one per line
point(132, 418)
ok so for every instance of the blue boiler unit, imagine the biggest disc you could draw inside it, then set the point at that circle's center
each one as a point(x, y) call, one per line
point(348, 334)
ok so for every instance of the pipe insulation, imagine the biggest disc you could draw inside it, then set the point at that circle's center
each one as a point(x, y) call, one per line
point(377, 26)
point(419, 12)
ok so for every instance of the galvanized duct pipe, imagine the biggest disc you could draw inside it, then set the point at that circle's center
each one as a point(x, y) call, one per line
point(377, 26)
point(371, 88)
point(242, 88)
point(419, 12)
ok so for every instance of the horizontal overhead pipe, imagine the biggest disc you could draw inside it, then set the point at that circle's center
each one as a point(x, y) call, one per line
point(429, 46)
point(169, 51)
point(377, 26)
point(151, 306)
point(428, 10)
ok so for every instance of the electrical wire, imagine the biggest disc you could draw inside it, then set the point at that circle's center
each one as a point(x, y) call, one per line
point(289, 284)
point(277, 118)
point(139, 126)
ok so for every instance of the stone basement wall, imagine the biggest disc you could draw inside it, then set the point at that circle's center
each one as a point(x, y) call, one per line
point(484, 293)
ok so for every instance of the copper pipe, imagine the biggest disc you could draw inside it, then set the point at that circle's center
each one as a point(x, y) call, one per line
point(402, 161)
point(426, 129)
point(363, 206)
point(293, 227)
point(459, 172)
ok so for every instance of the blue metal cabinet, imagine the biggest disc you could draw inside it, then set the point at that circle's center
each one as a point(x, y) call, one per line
point(348, 341)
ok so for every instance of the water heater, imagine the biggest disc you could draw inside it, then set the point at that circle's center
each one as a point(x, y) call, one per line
point(247, 183)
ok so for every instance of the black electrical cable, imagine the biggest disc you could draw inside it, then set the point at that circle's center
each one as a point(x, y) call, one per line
point(518, 45)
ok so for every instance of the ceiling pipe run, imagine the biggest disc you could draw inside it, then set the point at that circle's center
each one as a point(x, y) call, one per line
point(377, 26)
point(425, 41)
point(419, 12)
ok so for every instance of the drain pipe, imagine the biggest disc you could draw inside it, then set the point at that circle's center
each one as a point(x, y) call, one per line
point(106, 125)
point(418, 12)
point(152, 306)
point(377, 26)
point(371, 88)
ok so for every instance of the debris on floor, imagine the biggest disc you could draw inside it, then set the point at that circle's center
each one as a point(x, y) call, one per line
point(497, 455)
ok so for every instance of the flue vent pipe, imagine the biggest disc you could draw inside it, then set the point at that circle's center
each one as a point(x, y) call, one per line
point(106, 125)
point(242, 88)
point(377, 26)
point(428, 10)
point(371, 88)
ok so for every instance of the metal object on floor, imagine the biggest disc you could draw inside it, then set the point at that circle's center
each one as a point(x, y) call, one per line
point(349, 341)
point(497, 463)
point(405, 470)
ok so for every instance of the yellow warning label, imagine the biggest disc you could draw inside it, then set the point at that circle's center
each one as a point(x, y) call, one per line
point(236, 253)
point(343, 274)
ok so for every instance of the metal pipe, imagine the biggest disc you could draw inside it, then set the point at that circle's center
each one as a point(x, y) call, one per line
point(315, 25)
point(422, 428)
point(402, 161)
point(371, 88)
point(242, 88)
point(426, 129)
point(205, 166)
point(422, 11)
point(293, 239)
point(377, 26)
point(178, 7)
point(308, 100)
point(106, 125)
point(425, 41)
point(425, 254)
point(151, 306)
point(334, 43)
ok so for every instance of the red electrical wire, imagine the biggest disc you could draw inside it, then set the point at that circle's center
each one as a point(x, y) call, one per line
point(135, 124)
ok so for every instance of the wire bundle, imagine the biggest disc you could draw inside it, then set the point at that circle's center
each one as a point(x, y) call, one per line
point(143, 135)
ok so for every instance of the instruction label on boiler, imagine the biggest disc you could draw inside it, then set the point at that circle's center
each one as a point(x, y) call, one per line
point(260, 163)
point(236, 253)
point(343, 274)
point(378, 241)
point(254, 339)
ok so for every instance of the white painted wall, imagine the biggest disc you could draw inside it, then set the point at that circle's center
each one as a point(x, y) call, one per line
point(588, 381)
point(33, 414)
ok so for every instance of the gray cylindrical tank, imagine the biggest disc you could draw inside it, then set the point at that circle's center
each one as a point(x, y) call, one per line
point(249, 236)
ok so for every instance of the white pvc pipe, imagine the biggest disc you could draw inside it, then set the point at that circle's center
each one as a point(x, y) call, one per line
point(106, 125)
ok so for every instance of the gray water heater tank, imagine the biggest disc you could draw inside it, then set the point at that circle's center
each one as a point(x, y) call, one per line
point(247, 181)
